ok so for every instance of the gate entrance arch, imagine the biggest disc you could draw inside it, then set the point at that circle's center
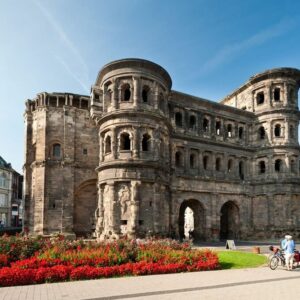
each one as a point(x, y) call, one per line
point(198, 222)
point(230, 220)
point(85, 204)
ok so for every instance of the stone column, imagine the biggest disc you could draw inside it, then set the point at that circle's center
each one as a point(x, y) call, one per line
point(114, 215)
point(104, 97)
point(215, 219)
point(285, 94)
point(100, 147)
point(99, 214)
point(157, 216)
point(186, 160)
point(115, 94)
point(135, 143)
point(136, 91)
point(270, 165)
point(66, 100)
point(253, 101)
point(155, 98)
point(114, 143)
point(269, 94)
point(200, 165)
point(134, 209)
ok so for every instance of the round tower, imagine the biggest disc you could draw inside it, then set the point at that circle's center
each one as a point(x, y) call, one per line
point(129, 105)
point(275, 103)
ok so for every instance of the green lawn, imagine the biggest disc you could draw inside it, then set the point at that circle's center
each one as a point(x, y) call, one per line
point(237, 260)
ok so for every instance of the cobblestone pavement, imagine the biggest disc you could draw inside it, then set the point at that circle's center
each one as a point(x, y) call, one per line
point(257, 283)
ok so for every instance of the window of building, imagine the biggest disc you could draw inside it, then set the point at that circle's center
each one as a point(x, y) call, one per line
point(125, 141)
point(244, 108)
point(293, 166)
point(126, 92)
point(178, 119)
point(241, 170)
point(276, 94)
point(84, 151)
point(262, 133)
point(205, 162)
point(178, 159)
point(241, 133)
point(292, 131)
point(145, 94)
point(278, 165)
point(192, 122)
point(292, 95)
point(218, 164)
point(229, 130)
point(205, 125)
point(146, 142)
point(3, 180)
point(218, 127)
point(192, 161)
point(229, 165)
point(262, 167)
point(277, 130)
point(107, 145)
point(56, 150)
point(260, 98)
point(3, 200)
point(161, 102)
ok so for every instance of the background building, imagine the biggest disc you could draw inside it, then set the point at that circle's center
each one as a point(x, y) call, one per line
point(10, 195)
point(134, 155)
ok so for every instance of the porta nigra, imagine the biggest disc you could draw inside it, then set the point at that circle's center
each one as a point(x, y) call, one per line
point(131, 158)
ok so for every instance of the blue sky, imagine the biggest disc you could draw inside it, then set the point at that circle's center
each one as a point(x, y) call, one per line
point(209, 47)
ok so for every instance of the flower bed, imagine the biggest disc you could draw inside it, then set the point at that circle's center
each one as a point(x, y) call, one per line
point(60, 260)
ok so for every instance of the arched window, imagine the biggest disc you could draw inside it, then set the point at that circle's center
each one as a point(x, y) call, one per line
point(178, 119)
point(260, 98)
point(241, 133)
point(276, 94)
point(192, 122)
point(145, 94)
point(293, 166)
point(192, 161)
point(278, 165)
point(218, 164)
point(146, 142)
point(107, 145)
point(277, 130)
point(229, 130)
point(218, 127)
point(161, 102)
point(126, 93)
point(241, 170)
point(178, 159)
point(205, 162)
point(205, 125)
point(229, 165)
point(292, 95)
point(125, 141)
point(262, 133)
point(56, 150)
point(262, 167)
point(292, 131)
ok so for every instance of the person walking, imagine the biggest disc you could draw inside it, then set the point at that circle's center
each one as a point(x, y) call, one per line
point(289, 252)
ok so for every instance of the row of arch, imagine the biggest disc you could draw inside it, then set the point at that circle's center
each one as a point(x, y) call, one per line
point(125, 142)
point(207, 163)
point(276, 96)
point(277, 130)
point(229, 220)
point(228, 129)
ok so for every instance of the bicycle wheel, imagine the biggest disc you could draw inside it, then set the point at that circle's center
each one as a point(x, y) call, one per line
point(273, 264)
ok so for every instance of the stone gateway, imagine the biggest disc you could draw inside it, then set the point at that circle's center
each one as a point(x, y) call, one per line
point(131, 158)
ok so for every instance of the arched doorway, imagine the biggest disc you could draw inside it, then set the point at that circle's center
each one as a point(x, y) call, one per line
point(85, 205)
point(229, 222)
point(191, 215)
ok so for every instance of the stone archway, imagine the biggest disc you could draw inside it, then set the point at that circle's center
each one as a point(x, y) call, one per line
point(199, 219)
point(85, 205)
point(229, 221)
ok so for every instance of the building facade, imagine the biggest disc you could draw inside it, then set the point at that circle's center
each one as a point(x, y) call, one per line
point(131, 158)
point(10, 195)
